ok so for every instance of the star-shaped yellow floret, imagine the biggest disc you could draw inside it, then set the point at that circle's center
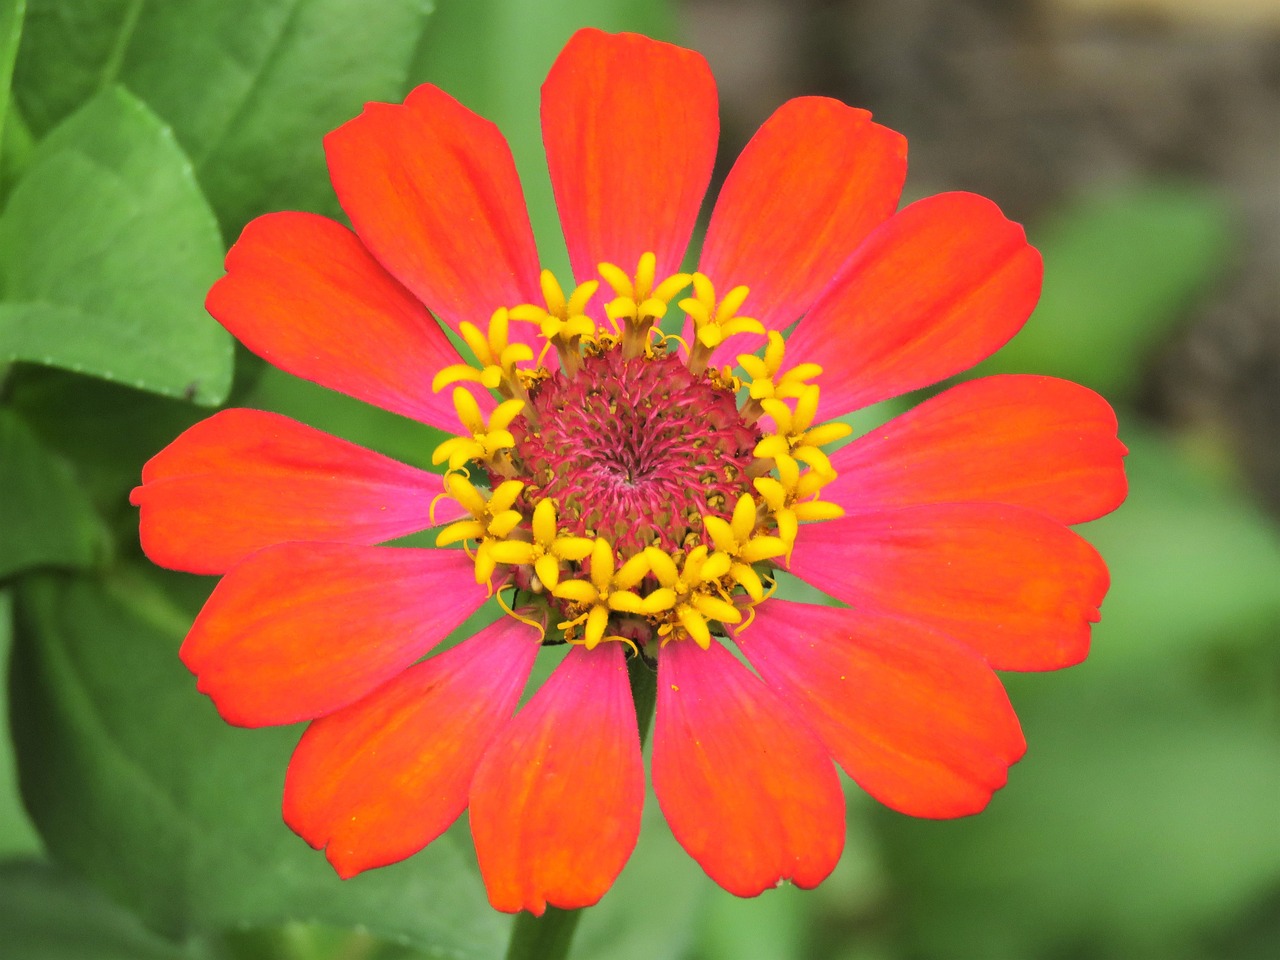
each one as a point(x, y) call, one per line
point(548, 548)
point(562, 320)
point(795, 437)
point(766, 382)
point(739, 541)
point(636, 300)
point(496, 357)
point(492, 520)
point(608, 589)
point(792, 498)
point(691, 592)
point(481, 440)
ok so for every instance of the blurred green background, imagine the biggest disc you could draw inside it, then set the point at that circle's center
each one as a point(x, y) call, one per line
point(1139, 140)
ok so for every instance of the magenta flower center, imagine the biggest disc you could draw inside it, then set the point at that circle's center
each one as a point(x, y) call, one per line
point(634, 450)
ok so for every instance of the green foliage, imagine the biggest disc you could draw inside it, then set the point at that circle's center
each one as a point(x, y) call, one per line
point(249, 86)
point(45, 516)
point(47, 914)
point(106, 251)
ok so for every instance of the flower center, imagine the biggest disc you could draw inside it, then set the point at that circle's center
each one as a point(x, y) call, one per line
point(630, 497)
point(636, 450)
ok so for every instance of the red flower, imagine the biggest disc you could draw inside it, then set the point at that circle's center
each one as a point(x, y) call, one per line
point(622, 492)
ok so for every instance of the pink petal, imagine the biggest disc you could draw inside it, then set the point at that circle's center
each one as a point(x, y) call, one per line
point(303, 293)
point(808, 188)
point(917, 719)
point(630, 127)
point(1014, 585)
point(299, 630)
point(1036, 442)
point(937, 287)
point(556, 801)
point(432, 190)
point(246, 479)
point(746, 786)
point(379, 780)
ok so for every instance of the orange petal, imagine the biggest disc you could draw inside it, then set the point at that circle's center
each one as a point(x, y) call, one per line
point(1035, 442)
point(1016, 586)
point(555, 804)
point(917, 719)
point(246, 479)
point(748, 789)
point(630, 126)
point(299, 630)
point(379, 780)
point(303, 293)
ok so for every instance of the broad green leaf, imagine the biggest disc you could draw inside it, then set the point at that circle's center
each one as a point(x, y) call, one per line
point(1121, 269)
point(467, 50)
point(249, 86)
point(11, 14)
point(67, 413)
point(107, 249)
point(1144, 812)
point(135, 782)
point(47, 914)
point(46, 518)
point(17, 836)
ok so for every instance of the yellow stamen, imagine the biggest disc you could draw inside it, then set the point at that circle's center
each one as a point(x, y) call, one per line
point(637, 303)
point(485, 439)
point(562, 320)
point(713, 322)
point(496, 358)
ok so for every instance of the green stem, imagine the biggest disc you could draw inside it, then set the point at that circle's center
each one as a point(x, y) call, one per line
point(550, 936)
point(547, 937)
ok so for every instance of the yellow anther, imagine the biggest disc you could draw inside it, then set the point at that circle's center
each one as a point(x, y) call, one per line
point(607, 590)
point(792, 498)
point(562, 320)
point(794, 436)
point(739, 543)
point(548, 548)
point(481, 440)
point(690, 592)
point(492, 520)
point(496, 357)
point(637, 302)
point(713, 322)
point(766, 382)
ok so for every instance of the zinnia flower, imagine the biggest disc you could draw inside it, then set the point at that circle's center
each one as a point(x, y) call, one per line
point(621, 489)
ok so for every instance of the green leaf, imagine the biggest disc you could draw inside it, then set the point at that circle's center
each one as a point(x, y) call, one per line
point(1121, 269)
point(11, 15)
point(467, 51)
point(17, 836)
point(135, 782)
point(107, 249)
point(249, 86)
point(46, 519)
point(1144, 812)
point(48, 915)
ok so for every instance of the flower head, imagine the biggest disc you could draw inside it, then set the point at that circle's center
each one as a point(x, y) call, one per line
point(623, 490)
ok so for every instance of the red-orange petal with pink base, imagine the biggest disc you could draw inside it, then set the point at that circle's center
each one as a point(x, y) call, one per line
point(816, 178)
point(917, 719)
point(303, 293)
point(379, 780)
point(1037, 442)
point(937, 287)
point(1014, 585)
point(630, 127)
point(556, 801)
point(432, 190)
point(246, 479)
point(747, 787)
point(299, 630)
